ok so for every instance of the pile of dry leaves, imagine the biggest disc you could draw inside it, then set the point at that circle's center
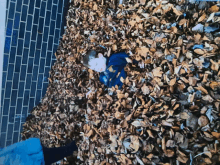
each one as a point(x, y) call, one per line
point(168, 109)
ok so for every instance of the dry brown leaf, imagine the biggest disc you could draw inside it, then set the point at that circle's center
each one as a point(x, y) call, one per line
point(214, 84)
point(208, 98)
point(214, 8)
point(173, 82)
point(139, 124)
point(203, 121)
point(216, 135)
point(145, 89)
point(157, 72)
point(215, 65)
point(199, 51)
point(202, 18)
point(169, 153)
point(184, 115)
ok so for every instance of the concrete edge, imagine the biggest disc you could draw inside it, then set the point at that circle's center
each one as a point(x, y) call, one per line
point(2, 39)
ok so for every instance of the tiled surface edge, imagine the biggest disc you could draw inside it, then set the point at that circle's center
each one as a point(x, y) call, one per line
point(2, 39)
point(32, 32)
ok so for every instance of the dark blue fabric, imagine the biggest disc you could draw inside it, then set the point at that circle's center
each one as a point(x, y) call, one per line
point(110, 77)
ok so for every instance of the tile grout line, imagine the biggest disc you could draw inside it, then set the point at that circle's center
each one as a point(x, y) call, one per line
point(12, 81)
point(6, 80)
point(41, 57)
point(1, 95)
point(22, 98)
point(19, 137)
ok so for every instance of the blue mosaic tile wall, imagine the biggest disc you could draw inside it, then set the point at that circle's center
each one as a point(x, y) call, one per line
point(33, 30)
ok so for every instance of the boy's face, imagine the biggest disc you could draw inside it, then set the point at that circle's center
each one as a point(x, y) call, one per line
point(98, 64)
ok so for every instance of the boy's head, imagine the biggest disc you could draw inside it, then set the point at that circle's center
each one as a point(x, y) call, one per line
point(95, 61)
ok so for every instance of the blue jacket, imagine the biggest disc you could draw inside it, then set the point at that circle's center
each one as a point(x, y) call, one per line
point(28, 152)
point(114, 70)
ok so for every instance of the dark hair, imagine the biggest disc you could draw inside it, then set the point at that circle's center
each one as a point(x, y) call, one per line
point(89, 55)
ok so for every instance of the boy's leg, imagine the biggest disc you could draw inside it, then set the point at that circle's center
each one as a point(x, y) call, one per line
point(52, 155)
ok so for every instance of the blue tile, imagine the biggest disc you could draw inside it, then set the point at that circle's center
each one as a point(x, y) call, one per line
point(37, 4)
point(49, 4)
point(8, 143)
point(52, 27)
point(14, 38)
point(12, 114)
point(12, 55)
point(9, 27)
point(4, 123)
point(11, 10)
point(48, 59)
point(39, 41)
point(18, 64)
point(40, 80)
point(55, 1)
point(33, 89)
point(15, 81)
point(5, 63)
point(34, 32)
point(60, 6)
point(10, 71)
point(6, 106)
point(46, 74)
point(31, 7)
point(25, 56)
point(7, 44)
point(29, 23)
point(4, 79)
point(50, 43)
point(27, 39)
point(54, 12)
point(62, 30)
point(24, 13)
point(2, 98)
point(28, 81)
point(7, 5)
point(19, 4)
point(26, 2)
point(41, 25)
point(35, 73)
point(36, 16)
point(26, 98)
point(47, 21)
point(38, 97)
point(2, 140)
point(30, 65)
point(54, 50)
point(46, 33)
point(31, 104)
point(22, 30)
point(37, 57)
point(24, 114)
point(17, 20)
point(44, 89)
point(19, 106)
point(42, 9)
point(44, 50)
point(58, 21)
point(20, 47)
point(42, 63)
point(13, 97)
point(15, 137)
point(53, 62)
point(17, 122)
point(8, 90)
point(10, 132)
point(23, 72)
point(32, 49)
